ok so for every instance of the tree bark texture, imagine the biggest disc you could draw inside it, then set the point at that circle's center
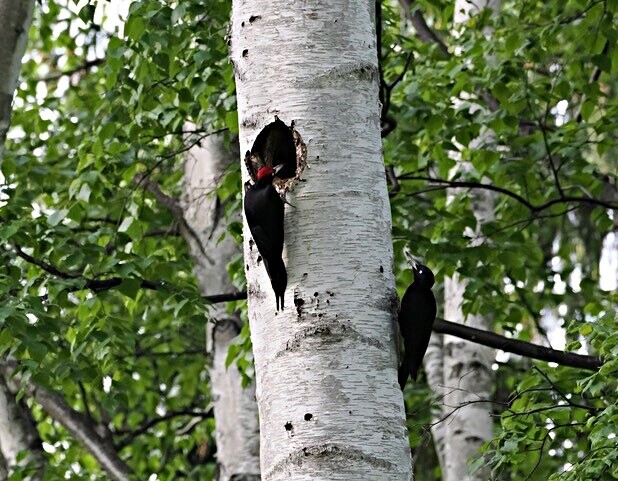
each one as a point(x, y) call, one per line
point(432, 363)
point(236, 417)
point(329, 403)
point(15, 20)
point(18, 434)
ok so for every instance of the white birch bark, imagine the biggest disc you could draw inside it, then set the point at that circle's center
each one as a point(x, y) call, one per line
point(329, 403)
point(15, 20)
point(608, 263)
point(467, 367)
point(235, 409)
point(432, 363)
point(468, 377)
point(18, 434)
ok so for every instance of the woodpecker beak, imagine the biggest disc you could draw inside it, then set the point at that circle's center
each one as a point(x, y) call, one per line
point(277, 168)
point(413, 261)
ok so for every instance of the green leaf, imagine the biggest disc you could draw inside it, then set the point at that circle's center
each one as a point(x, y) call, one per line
point(178, 12)
point(87, 13)
point(130, 287)
point(56, 217)
point(231, 121)
point(84, 193)
point(585, 330)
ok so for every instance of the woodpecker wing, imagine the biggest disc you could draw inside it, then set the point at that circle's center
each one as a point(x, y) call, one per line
point(264, 213)
point(416, 317)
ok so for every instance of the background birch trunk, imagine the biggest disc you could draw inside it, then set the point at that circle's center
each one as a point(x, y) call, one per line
point(467, 367)
point(330, 407)
point(235, 409)
point(18, 434)
point(15, 20)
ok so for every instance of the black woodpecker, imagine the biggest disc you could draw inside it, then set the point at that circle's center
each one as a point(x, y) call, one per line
point(264, 213)
point(416, 316)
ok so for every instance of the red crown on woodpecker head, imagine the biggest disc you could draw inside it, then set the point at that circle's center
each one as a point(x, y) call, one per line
point(265, 171)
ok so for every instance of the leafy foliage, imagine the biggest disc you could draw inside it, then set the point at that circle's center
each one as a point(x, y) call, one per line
point(536, 84)
point(97, 296)
point(99, 116)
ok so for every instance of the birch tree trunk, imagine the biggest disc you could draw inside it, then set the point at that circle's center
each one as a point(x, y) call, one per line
point(235, 409)
point(18, 434)
point(467, 367)
point(433, 363)
point(329, 403)
point(15, 20)
point(467, 377)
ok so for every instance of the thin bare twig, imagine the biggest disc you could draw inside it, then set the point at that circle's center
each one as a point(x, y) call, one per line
point(532, 207)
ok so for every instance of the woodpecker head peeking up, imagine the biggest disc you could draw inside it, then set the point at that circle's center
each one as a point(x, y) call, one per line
point(266, 174)
point(423, 275)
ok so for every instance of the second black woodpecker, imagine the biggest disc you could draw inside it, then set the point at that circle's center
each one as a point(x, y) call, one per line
point(416, 316)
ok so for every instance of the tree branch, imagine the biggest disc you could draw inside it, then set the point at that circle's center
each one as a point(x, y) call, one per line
point(427, 35)
point(167, 231)
point(424, 32)
point(472, 185)
point(392, 179)
point(153, 422)
point(80, 68)
point(106, 284)
point(532, 207)
point(228, 297)
point(79, 426)
point(550, 156)
point(43, 265)
point(176, 210)
point(516, 346)
point(593, 79)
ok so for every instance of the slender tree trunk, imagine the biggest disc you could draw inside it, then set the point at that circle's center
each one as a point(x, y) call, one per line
point(236, 417)
point(467, 367)
point(330, 407)
point(608, 266)
point(18, 434)
point(15, 20)
point(467, 377)
point(432, 363)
